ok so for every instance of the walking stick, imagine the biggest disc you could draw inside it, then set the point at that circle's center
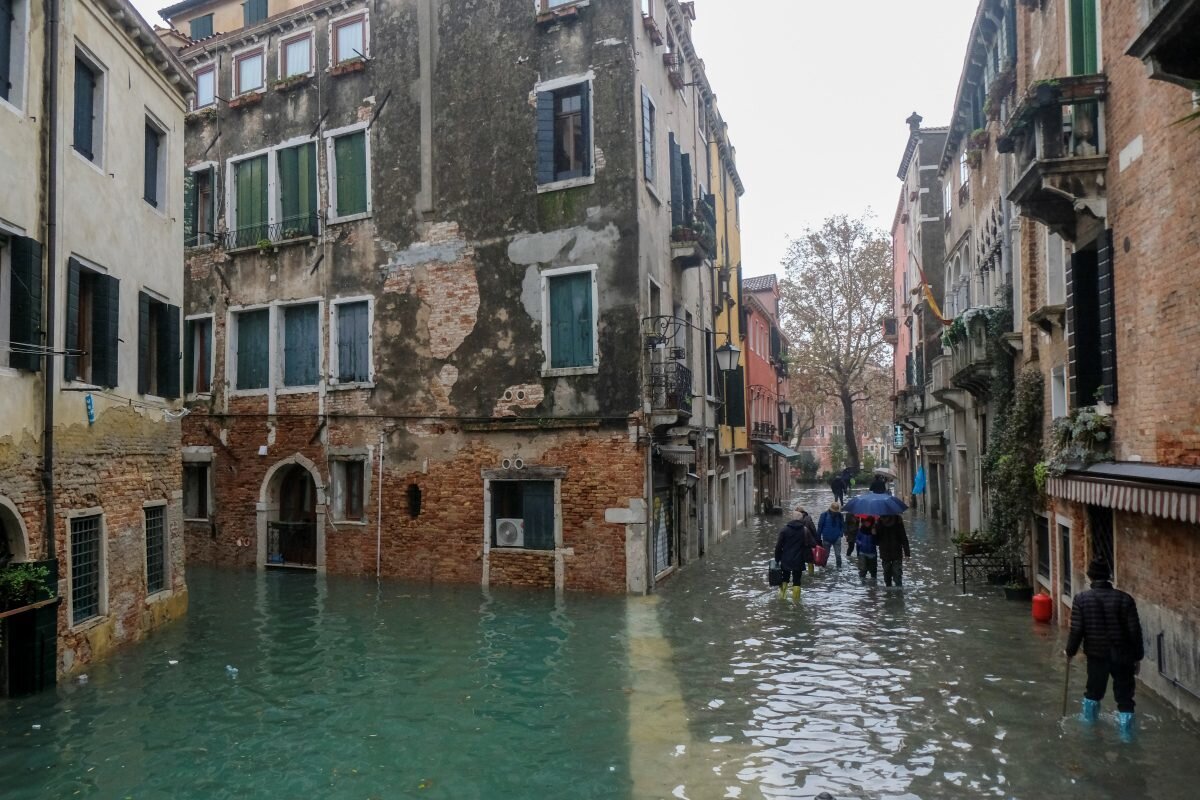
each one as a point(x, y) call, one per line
point(1066, 685)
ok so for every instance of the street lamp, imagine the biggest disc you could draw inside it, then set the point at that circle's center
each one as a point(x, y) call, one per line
point(785, 407)
point(727, 357)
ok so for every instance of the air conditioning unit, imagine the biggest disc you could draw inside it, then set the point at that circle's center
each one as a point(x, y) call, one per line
point(510, 533)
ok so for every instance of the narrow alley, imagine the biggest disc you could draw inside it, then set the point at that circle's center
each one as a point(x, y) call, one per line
point(714, 687)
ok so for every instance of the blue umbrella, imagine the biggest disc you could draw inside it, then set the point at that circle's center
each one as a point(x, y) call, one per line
point(875, 504)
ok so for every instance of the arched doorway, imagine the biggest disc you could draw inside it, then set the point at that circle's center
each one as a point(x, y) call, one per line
point(12, 534)
point(291, 516)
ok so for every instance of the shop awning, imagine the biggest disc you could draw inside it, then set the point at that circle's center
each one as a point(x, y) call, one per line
point(677, 454)
point(1166, 492)
point(780, 450)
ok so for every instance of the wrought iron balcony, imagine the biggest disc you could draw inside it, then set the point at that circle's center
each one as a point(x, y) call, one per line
point(695, 242)
point(299, 227)
point(670, 387)
point(292, 544)
point(971, 361)
point(764, 431)
point(1057, 134)
point(1168, 44)
point(891, 330)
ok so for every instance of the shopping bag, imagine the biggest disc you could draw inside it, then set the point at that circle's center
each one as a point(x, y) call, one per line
point(820, 555)
point(774, 573)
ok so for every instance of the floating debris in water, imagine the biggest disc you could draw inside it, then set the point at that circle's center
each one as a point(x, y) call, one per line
point(82, 679)
point(231, 671)
point(37, 727)
point(171, 662)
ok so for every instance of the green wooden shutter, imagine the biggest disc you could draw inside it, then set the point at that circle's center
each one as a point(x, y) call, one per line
point(685, 168)
point(300, 346)
point(106, 318)
point(733, 412)
point(676, 182)
point(189, 356)
point(354, 351)
point(1084, 55)
point(6, 24)
point(571, 321)
point(25, 293)
point(253, 349)
point(289, 179)
point(545, 137)
point(582, 316)
point(143, 349)
point(85, 91)
point(151, 172)
point(251, 222)
point(168, 352)
point(71, 362)
point(350, 153)
point(254, 11)
point(306, 188)
point(201, 27)
point(537, 506)
point(298, 190)
point(190, 209)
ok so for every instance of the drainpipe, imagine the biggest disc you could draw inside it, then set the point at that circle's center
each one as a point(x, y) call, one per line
point(51, 116)
point(379, 511)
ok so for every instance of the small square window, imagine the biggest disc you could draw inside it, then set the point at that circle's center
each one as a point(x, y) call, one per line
point(564, 136)
point(296, 56)
point(249, 72)
point(206, 86)
point(254, 11)
point(196, 490)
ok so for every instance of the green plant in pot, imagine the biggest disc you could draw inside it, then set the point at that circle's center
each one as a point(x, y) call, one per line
point(23, 585)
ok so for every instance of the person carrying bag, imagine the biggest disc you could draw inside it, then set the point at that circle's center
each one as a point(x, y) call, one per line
point(830, 529)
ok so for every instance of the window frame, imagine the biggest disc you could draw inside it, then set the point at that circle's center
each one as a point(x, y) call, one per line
point(212, 334)
point(235, 76)
point(279, 366)
point(651, 180)
point(195, 458)
point(232, 329)
point(491, 478)
point(101, 614)
point(99, 105)
point(334, 382)
point(208, 68)
point(549, 371)
point(336, 23)
point(293, 37)
point(18, 64)
point(167, 585)
point(205, 238)
point(1064, 533)
point(211, 25)
point(338, 485)
point(162, 183)
point(6, 298)
point(553, 86)
point(1056, 393)
point(331, 136)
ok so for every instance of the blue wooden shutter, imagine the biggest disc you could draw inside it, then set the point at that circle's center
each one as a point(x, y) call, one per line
point(189, 209)
point(545, 137)
point(353, 343)
point(253, 349)
point(647, 137)
point(1108, 318)
point(201, 27)
point(151, 172)
point(300, 349)
point(168, 352)
point(85, 91)
point(585, 122)
point(106, 316)
point(676, 182)
point(571, 321)
point(71, 362)
point(25, 293)
point(350, 153)
point(143, 350)
point(6, 24)
point(537, 506)
point(254, 11)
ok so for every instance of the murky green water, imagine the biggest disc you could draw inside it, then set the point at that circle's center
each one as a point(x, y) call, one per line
point(346, 689)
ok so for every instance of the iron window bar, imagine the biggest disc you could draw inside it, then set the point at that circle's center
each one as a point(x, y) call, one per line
point(301, 226)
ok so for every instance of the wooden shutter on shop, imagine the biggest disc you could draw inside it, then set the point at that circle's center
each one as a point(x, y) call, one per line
point(25, 296)
point(71, 362)
point(545, 137)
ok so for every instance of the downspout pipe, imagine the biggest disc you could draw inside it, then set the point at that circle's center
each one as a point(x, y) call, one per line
point(51, 116)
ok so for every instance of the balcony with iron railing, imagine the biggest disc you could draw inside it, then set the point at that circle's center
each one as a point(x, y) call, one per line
point(971, 362)
point(670, 388)
point(694, 241)
point(1058, 136)
point(292, 544)
point(1170, 42)
point(673, 61)
point(264, 236)
point(764, 432)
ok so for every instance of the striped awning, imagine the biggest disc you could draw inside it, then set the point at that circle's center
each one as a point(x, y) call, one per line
point(680, 455)
point(1167, 502)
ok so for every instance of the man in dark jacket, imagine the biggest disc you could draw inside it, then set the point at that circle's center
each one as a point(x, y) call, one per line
point(839, 489)
point(1105, 621)
point(793, 550)
point(892, 541)
point(879, 485)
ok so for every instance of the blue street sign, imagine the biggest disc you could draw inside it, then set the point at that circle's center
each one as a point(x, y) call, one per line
point(91, 408)
point(898, 435)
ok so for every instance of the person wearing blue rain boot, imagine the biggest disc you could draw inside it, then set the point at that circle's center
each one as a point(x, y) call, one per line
point(1105, 622)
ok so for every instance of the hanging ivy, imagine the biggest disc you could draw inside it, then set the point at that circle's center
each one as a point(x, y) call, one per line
point(1081, 439)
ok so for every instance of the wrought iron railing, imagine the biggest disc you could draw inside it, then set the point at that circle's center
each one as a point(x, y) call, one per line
point(763, 430)
point(297, 227)
point(202, 239)
point(671, 386)
point(292, 543)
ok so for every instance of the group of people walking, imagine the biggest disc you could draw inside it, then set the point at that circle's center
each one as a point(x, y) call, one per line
point(875, 539)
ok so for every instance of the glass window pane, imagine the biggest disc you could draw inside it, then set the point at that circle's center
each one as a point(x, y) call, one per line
point(206, 88)
point(297, 58)
point(350, 41)
point(250, 73)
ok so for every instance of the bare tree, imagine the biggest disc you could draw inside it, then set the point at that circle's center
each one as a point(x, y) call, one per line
point(836, 290)
point(807, 400)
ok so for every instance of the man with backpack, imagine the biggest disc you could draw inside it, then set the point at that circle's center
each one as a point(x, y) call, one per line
point(794, 549)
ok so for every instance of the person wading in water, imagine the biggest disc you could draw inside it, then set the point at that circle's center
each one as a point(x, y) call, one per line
point(793, 550)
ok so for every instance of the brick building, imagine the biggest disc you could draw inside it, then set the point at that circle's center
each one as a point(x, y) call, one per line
point(768, 409)
point(1110, 248)
point(449, 329)
point(89, 370)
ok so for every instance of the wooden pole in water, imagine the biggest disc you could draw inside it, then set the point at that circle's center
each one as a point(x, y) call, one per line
point(1066, 685)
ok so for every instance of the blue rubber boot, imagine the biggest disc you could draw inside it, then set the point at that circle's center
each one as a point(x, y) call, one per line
point(1125, 725)
point(1091, 710)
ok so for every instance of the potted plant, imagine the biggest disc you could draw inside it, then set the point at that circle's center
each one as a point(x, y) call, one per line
point(973, 543)
point(1018, 589)
point(23, 585)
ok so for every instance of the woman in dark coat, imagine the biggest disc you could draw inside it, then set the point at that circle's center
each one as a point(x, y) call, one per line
point(794, 549)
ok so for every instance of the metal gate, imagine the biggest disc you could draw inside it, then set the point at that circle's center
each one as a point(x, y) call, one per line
point(663, 538)
point(1100, 520)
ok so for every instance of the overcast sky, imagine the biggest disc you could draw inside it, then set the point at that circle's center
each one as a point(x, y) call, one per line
point(816, 93)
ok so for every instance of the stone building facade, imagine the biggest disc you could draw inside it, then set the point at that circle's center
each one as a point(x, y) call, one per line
point(1111, 251)
point(90, 312)
point(450, 327)
point(768, 407)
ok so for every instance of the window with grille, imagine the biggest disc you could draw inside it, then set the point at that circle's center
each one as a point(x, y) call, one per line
point(156, 549)
point(1043, 547)
point(85, 568)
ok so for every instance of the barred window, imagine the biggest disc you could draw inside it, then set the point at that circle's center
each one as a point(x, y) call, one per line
point(156, 550)
point(85, 568)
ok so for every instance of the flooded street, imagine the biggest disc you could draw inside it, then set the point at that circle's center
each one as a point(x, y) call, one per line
point(714, 688)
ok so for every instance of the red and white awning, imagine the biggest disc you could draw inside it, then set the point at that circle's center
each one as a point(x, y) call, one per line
point(1166, 502)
